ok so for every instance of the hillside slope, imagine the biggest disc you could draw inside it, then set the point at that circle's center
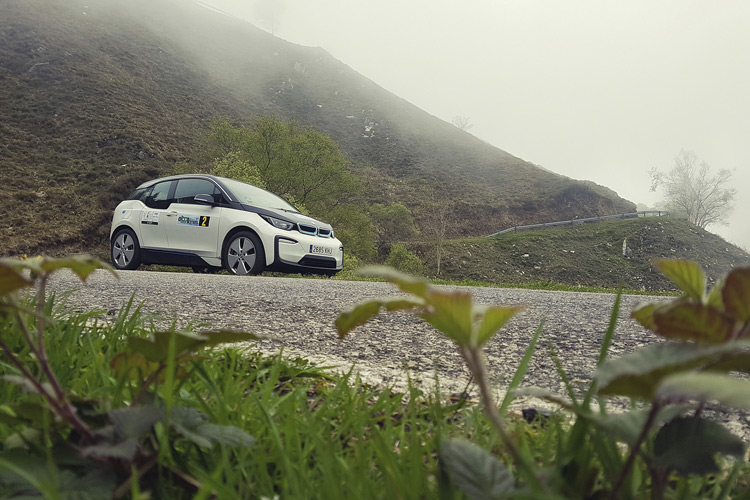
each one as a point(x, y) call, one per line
point(587, 255)
point(99, 96)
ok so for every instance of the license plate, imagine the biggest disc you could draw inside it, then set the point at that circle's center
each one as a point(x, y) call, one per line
point(321, 250)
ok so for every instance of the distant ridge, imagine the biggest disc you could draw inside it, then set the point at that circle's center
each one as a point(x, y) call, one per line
point(99, 96)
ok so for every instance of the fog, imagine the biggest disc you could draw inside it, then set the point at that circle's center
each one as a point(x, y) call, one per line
point(597, 90)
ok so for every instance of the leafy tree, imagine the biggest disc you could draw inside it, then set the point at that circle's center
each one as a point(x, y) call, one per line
point(692, 191)
point(234, 167)
point(393, 223)
point(403, 260)
point(299, 163)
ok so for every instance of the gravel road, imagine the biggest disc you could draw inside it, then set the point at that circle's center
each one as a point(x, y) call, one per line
point(297, 315)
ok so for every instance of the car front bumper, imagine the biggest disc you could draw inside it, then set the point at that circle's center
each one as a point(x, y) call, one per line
point(294, 254)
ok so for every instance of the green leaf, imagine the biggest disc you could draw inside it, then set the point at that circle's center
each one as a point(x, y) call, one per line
point(736, 294)
point(407, 283)
point(687, 275)
point(714, 297)
point(135, 421)
point(477, 473)
point(547, 395)
point(29, 386)
point(627, 426)
point(644, 314)
point(452, 314)
point(688, 445)
point(227, 435)
point(156, 347)
point(227, 337)
point(81, 265)
point(361, 314)
point(11, 279)
point(493, 319)
point(125, 449)
point(704, 387)
point(692, 321)
point(639, 373)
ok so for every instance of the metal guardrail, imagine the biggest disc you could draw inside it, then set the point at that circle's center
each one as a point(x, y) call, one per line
point(575, 222)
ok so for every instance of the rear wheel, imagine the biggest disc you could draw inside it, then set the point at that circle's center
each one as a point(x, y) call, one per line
point(243, 254)
point(125, 250)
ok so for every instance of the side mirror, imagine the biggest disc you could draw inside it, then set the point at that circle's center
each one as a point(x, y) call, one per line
point(204, 199)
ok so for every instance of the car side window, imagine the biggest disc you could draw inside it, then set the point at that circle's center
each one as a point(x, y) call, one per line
point(188, 188)
point(159, 197)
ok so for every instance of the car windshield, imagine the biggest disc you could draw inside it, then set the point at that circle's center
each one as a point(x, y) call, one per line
point(251, 195)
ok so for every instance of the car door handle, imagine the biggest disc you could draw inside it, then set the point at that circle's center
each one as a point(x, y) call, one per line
point(171, 214)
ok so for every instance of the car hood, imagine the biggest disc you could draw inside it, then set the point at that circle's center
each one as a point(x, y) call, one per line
point(296, 217)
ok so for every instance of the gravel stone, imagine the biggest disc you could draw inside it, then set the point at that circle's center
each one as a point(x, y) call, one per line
point(297, 316)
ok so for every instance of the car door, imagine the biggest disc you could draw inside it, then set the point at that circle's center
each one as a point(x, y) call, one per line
point(153, 220)
point(192, 227)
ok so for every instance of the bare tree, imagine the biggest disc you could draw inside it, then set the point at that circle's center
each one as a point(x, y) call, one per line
point(436, 219)
point(270, 13)
point(692, 191)
point(462, 122)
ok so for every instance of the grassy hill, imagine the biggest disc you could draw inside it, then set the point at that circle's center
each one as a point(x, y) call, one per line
point(587, 255)
point(96, 97)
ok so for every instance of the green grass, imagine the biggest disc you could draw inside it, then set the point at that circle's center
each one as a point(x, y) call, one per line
point(586, 257)
point(317, 435)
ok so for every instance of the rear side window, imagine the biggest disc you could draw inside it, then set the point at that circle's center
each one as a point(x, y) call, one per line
point(187, 189)
point(159, 196)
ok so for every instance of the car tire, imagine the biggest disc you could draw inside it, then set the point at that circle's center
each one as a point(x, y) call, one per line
point(125, 250)
point(243, 254)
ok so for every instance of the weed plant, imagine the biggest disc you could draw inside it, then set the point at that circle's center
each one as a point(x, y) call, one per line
point(107, 406)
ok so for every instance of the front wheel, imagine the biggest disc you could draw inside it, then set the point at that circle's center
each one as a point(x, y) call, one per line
point(243, 254)
point(126, 252)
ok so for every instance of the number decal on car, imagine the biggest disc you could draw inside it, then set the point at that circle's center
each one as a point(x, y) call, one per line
point(193, 220)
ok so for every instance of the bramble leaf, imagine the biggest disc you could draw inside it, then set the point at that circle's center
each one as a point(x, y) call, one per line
point(11, 279)
point(476, 472)
point(406, 282)
point(156, 347)
point(81, 265)
point(135, 421)
point(704, 387)
point(134, 364)
point(643, 313)
point(692, 321)
point(227, 337)
point(451, 313)
point(493, 319)
point(228, 435)
point(688, 445)
point(736, 294)
point(361, 314)
point(125, 449)
point(639, 373)
point(687, 275)
point(627, 426)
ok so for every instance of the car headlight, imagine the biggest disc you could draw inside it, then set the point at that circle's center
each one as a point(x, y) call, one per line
point(281, 224)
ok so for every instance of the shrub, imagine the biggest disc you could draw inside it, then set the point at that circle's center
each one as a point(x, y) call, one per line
point(403, 260)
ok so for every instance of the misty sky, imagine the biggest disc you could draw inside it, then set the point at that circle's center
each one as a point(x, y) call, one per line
point(597, 89)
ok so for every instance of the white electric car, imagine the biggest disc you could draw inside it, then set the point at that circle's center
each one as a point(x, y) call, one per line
point(208, 223)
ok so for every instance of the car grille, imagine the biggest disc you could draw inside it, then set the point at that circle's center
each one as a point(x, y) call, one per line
point(313, 230)
point(319, 262)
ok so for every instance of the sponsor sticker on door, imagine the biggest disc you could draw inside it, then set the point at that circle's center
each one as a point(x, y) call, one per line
point(149, 217)
point(193, 220)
